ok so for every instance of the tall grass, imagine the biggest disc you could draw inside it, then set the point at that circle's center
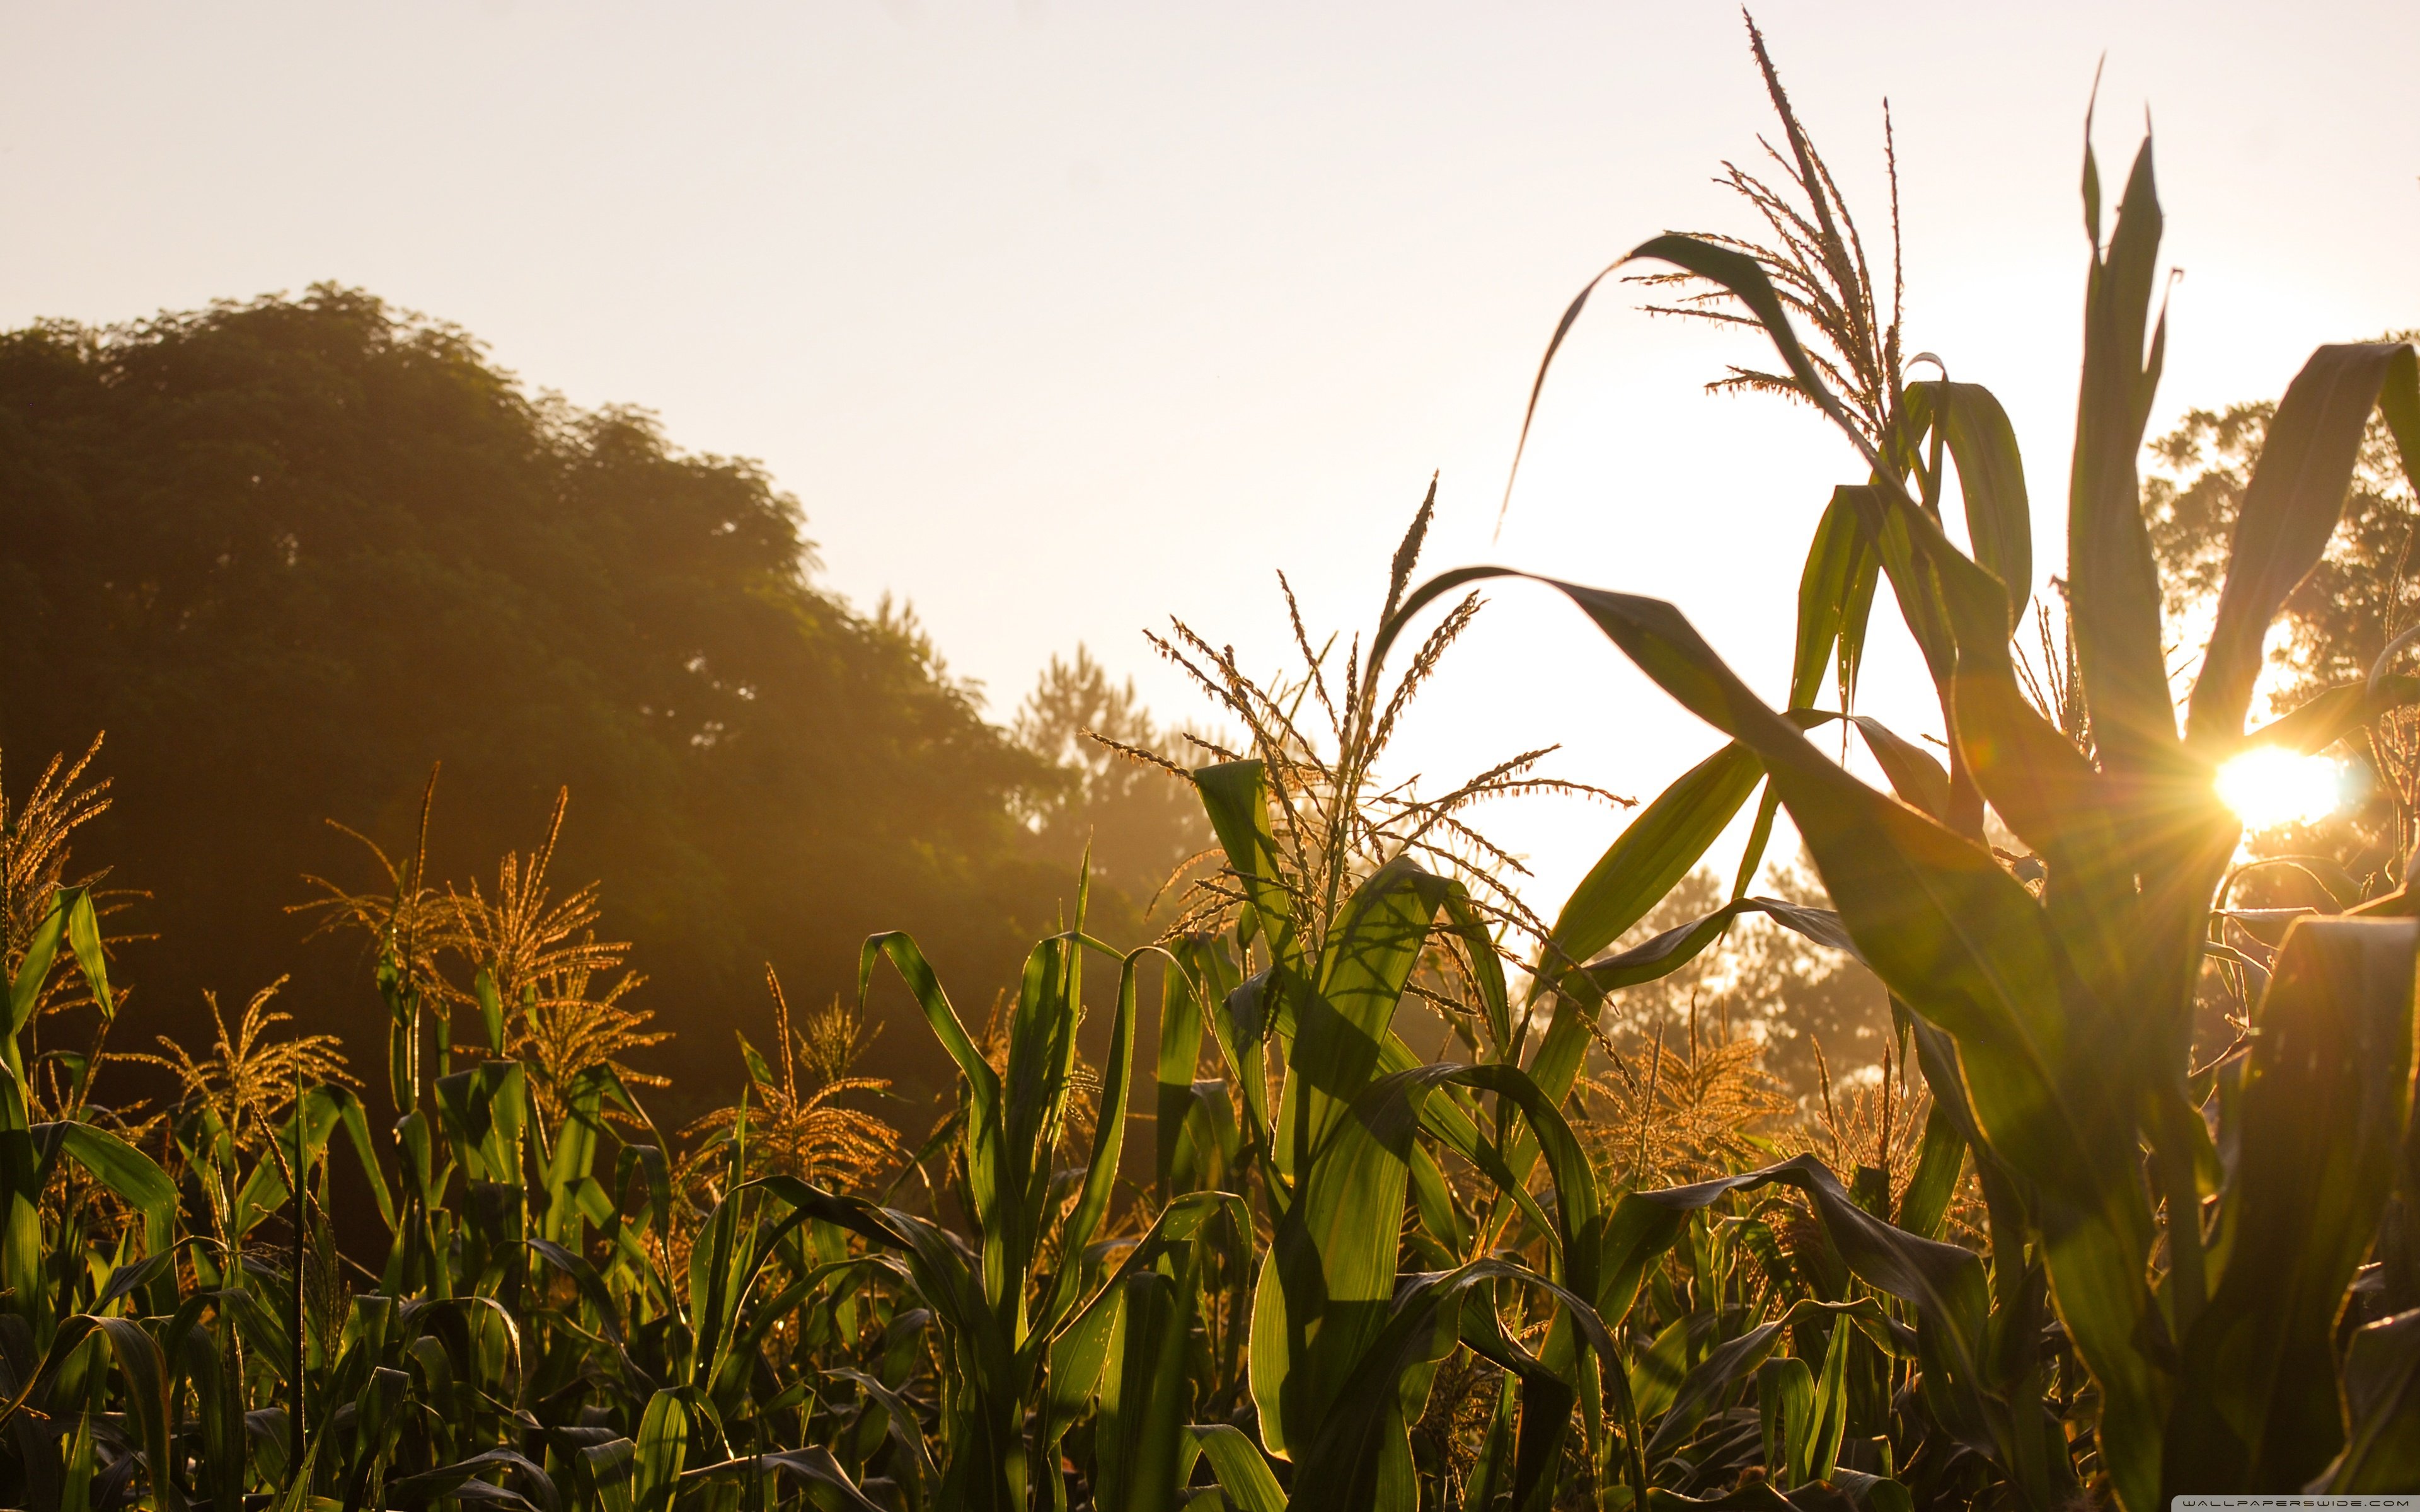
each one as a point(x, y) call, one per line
point(2074, 1264)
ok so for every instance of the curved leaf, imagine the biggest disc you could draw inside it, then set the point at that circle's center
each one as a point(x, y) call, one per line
point(1991, 477)
point(2290, 510)
point(2313, 1141)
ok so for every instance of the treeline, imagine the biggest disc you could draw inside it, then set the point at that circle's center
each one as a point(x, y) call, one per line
point(293, 555)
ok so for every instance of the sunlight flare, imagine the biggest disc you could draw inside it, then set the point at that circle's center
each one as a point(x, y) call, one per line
point(2270, 785)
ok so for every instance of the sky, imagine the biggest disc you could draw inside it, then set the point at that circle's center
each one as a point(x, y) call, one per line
point(1060, 319)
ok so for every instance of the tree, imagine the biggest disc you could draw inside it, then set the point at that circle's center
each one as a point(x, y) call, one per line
point(1138, 822)
point(292, 553)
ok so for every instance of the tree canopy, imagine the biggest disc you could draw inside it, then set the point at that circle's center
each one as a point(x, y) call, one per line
point(290, 554)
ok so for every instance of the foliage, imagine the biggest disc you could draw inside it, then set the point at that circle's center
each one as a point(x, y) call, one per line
point(2051, 996)
point(291, 553)
point(2072, 1263)
point(1139, 828)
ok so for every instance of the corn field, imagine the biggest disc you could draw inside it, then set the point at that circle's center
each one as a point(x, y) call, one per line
point(2060, 1259)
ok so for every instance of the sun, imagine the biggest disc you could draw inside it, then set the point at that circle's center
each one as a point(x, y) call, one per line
point(2268, 786)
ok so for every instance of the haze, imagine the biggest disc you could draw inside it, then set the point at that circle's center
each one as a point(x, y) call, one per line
point(1062, 318)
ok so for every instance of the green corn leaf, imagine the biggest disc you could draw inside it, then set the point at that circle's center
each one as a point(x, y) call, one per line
point(492, 1008)
point(1180, 1054)
point(986, 1156)
point(1650, 855)
point(662, 1449)
point(1325, 1288)
point(535, 1487)
point(297, 1496)
point(1323, 1293)
point(814, 1465)
point(574, 1155)
point(1241, 1472)
point(1654, 959)
point(2316, 1133)
point(1544, 1401)
point(1831, 1403)
point(140, 1362)
point(1140, 1443)
point(1433, 1200)
point(1965, 944)
point(1745, 279)
point(266, 1337)
point(1109, 1124)
point(1834, 589)
point(1914, 775)
point(1573, 1225)
point(25, 988)
point(1991, 476)
point(379, 1411)
point(1760, 836)
point(2291, 508)
point(980, 1427)
point(1485, 968)
point(1943, 1282)
point(905, 1431)
point(2113, 588)
point(133, 1176)
point(591, 1286)
point(2381, 1400)
point(2329, 715)
point(1657, 1370)
point(1710, 1383)
point(84, 938)
point(320, 1111)
point(1653, 853)
point(1078, 1352)
point(1234, 794)
point(2043, 786)
point(1913, 585)
point(1344, 1027)
point(1784, 1405)
point(1034, 1107)
point(606, 1472)
point(1184, 1220)
point(75, 1489)
point(1939, 1159)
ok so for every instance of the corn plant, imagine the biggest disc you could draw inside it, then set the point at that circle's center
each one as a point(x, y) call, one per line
point(2202, 1285)
point(1345, 1274)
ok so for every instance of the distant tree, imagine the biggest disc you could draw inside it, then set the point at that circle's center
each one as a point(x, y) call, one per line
point(1139, 822)
point(292, 552)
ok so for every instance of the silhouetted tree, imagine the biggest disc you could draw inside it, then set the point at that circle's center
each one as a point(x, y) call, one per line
point(1138, 822)
point(289, 553)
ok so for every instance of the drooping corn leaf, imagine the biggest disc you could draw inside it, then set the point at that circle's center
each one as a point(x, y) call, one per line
point(1990, 478)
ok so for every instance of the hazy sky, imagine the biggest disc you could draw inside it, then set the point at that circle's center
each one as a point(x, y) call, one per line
point(1061, 319)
